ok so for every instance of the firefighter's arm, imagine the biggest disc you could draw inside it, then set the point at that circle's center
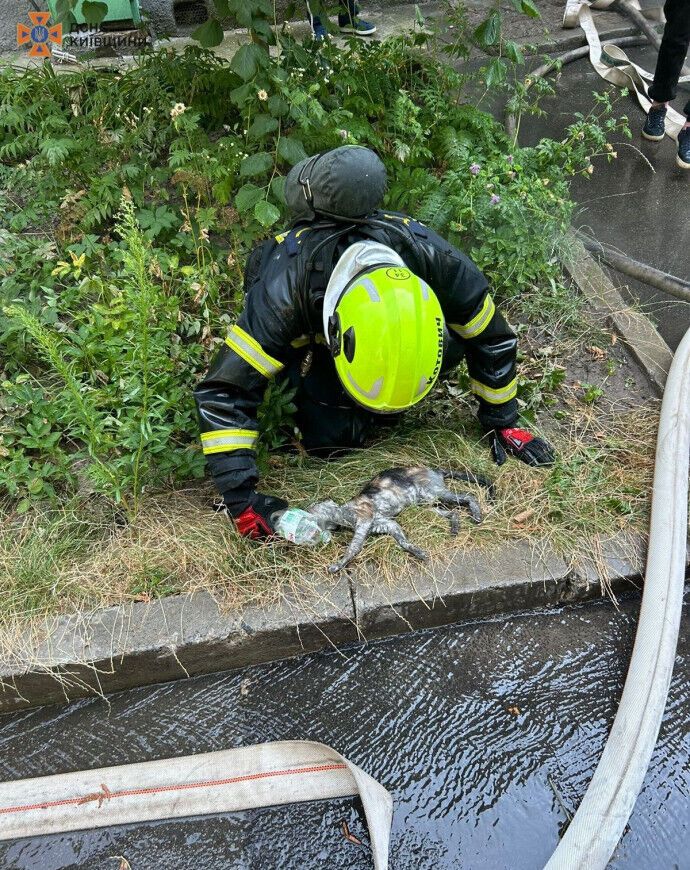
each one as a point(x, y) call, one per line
point(227, 401)
point(490, 350)
point(471, 315)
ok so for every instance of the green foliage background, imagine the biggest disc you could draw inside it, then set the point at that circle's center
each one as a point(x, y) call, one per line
point(129, 201)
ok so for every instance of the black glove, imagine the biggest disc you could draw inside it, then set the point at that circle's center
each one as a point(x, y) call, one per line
point(254, 513)
point(522, 445)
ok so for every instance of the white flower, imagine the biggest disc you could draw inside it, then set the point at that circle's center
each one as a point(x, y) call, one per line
point(262, 95)
point(177, 110)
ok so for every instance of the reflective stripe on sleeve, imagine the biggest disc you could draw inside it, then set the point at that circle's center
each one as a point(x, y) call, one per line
point(225, 440)
point(494, 396)
point(251, 352)
point(478, 323)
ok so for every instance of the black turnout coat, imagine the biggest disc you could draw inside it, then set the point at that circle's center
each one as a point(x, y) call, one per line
point(285, 282)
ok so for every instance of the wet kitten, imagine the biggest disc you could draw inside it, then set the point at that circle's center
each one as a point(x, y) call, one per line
point(387, 495)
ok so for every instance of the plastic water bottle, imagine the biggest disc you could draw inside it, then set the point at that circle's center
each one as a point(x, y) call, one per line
point(302, 528)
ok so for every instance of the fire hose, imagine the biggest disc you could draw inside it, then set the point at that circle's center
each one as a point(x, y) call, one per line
point(264, 775)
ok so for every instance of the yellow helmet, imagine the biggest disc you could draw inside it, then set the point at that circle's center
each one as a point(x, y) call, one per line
point(386, 338)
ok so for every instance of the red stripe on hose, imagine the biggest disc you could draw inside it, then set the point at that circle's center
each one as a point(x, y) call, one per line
point(184, 786)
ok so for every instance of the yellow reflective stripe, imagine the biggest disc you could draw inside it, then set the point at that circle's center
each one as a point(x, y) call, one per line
point(224, 440)
point(251, 352)
point(304, 340)
point(478, 323)
point(280, 238)
point(406, 220)
point(494, 396)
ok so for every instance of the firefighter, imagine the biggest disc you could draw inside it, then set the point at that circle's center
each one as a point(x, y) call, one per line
point(360, 310)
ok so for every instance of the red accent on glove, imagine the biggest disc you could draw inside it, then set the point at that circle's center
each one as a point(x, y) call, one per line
point(518, 439)
point(252, 525)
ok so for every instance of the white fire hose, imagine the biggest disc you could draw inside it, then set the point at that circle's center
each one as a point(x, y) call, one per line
point(214, 782)
point(600, 820)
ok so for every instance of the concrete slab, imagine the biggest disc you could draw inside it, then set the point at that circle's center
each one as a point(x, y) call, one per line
point(636, 204)
point(468, 585)
point(474, 584)
point(640, 336)
point(182, 636)
point(175, 637)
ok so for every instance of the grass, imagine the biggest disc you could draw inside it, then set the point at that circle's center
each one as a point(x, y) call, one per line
point(84, 556)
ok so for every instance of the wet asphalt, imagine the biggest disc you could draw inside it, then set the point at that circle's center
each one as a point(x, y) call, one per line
point(485, 733)
point(639, 203)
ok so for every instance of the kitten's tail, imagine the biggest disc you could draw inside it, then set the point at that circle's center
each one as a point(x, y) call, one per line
point(471, 477)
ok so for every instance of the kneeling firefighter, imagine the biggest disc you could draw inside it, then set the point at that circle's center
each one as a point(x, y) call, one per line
point(360, 310)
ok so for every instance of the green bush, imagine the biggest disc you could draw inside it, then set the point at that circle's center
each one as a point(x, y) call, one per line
point(130, 200)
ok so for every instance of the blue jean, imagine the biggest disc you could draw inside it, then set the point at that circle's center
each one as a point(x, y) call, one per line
point(348, 11)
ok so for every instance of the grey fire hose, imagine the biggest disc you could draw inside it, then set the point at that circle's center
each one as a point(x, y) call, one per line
point(603, 814)
point(634, 269)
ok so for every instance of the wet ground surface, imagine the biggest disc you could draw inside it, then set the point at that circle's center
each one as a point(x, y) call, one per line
point(427, 714)
point(639, 209)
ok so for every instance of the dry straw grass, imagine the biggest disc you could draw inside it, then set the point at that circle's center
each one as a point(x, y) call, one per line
point(85, 557)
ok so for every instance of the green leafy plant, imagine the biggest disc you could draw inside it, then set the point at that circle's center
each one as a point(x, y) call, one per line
point(590, 393)
point(121, 403)
point(130, 200)
point(276, 420)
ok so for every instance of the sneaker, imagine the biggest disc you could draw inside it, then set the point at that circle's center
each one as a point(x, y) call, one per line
point(357, 26)
point(683, 158)
point(655, 126)
point(320, 32)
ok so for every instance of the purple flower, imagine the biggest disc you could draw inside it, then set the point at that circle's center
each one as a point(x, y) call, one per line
point(510, 158)
point(475, 169)
point(495, 199)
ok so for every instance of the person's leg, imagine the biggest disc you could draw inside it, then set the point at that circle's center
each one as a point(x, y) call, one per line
point(672, 54)
point(347, 12)
point(328, 420)
point(317, 25)
point(350, 22)
point(674, 48)
point(453, 351)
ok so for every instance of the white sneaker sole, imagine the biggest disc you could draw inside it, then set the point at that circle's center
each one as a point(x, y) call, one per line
point(358, 32)
point(650, 138)
point(681, 162)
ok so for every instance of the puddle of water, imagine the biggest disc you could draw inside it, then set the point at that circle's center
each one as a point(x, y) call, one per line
point(427, 714)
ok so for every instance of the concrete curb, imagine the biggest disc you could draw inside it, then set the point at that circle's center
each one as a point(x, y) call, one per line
point(637, 332)
point(140, 644)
